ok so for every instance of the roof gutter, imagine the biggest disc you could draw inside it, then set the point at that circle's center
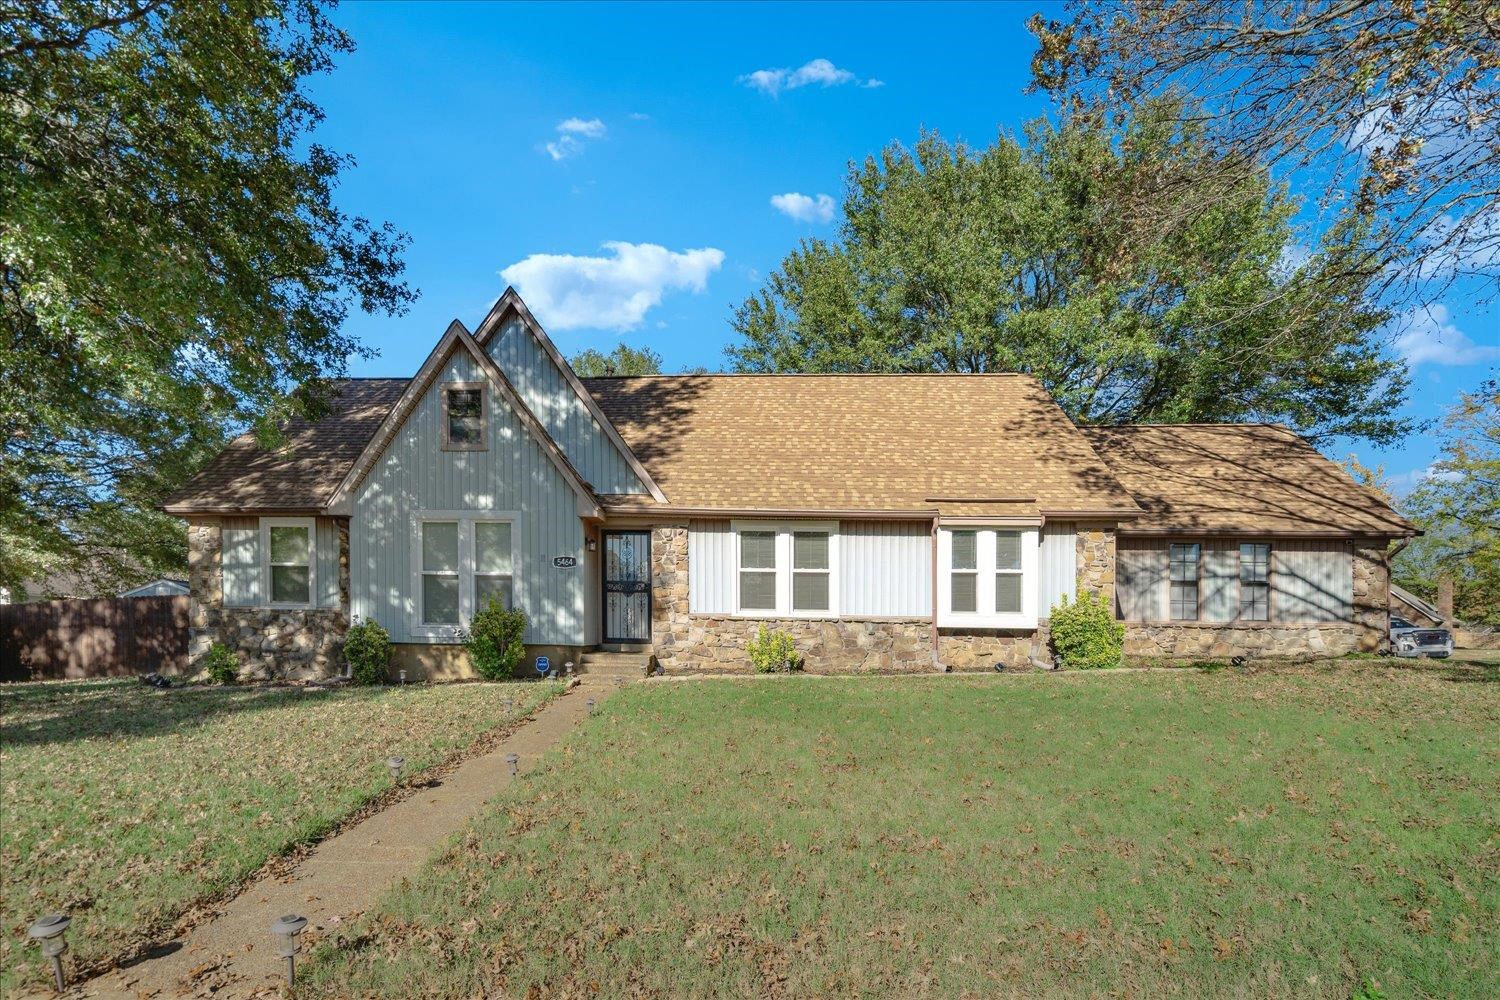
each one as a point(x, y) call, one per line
point(668, 510)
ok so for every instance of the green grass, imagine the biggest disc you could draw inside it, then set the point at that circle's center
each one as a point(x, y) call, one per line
point(125, 806)
point(1308, 831)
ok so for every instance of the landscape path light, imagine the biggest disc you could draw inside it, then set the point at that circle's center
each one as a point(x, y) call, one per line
point(395, 764)
point(49, 931)
point(568, 669)
point(403, 676)
point(590, 704)
point(514, 760)
point(286, 930)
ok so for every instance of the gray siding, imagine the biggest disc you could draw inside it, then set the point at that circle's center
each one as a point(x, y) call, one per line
point(240, 558)
point(514, 474)
point(1057, 566)
point(545, 390)
point(885, 569)
point(1312, 580)
point(326, 551)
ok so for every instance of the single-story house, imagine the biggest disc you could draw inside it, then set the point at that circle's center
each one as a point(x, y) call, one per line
point(888, 522)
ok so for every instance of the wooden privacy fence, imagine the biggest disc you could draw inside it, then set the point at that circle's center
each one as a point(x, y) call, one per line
point(109, 637)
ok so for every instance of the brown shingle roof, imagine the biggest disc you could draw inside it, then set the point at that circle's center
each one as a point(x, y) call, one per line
point(858, 442)
point(1238, 478)
point(304, 472)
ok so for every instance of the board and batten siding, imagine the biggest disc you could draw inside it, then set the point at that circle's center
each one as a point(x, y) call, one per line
point(240, 559)
point(1057, 567)
point(546, 392)
point(1312, 580)
point(885, 569)
point(514, 474)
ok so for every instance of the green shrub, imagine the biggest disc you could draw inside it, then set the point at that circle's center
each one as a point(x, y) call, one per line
point(222, 665)
point(367, 651)
point(773, 651)
point(1085, 633)
point(494, 641)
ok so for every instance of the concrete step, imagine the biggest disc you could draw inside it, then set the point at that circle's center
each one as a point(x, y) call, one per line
point(614, 664)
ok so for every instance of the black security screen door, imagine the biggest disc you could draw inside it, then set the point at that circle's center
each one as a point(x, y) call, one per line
point(627, 586)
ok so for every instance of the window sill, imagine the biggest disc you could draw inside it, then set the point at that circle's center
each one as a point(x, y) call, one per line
point(772, 616)
point(1007, 622)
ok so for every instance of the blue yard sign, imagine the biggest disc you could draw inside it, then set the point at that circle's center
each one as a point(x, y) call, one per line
point(543, 664)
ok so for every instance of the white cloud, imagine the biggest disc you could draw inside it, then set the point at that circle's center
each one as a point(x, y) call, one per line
point(804, 208)
point(610, 292)
point(1427, 337)
point(815, 71)
point(571, 136)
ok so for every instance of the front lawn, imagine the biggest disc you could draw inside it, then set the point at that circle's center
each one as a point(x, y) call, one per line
point(1314, 831)
point(124, 805)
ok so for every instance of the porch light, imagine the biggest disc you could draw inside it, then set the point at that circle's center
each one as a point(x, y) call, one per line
point(50, 931)
point(593, 545)
point(286, 930)
point(514, 760)
point(395, 764)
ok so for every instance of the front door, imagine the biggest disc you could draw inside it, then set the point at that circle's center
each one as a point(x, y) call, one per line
point(627, 586)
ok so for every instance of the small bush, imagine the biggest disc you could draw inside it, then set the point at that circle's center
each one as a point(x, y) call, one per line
point(1085, 633)
point(773, 651)
point(494, 641)
point(222, 665)
point(367, 651)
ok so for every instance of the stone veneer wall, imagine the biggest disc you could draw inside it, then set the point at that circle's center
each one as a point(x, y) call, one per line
point(271, 643)
point(1367, 632)
point(1096, 559)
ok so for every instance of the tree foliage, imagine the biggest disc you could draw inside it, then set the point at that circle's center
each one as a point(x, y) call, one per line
point(1391, 108)
point(623, 360)
point(172, 263)
point(1073, 254)
point(1458, 508)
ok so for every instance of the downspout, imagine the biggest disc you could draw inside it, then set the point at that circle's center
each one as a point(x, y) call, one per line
point(936, 662)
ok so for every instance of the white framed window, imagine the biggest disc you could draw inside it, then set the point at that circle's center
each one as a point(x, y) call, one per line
point(988, 576)
point(786, 569)
point(1184, 564)
point(465, 416)
point(1255, 581)
point(289, 567)
point(460, 559)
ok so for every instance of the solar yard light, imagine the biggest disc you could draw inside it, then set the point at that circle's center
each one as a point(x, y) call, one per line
point(590, 704)
point(395, 764)
point(514, 760)
point(403, 676)
point(568, 669)
point(49, 931)
point(286, 930)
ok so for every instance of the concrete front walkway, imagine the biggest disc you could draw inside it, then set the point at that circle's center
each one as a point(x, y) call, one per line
point(234, 954)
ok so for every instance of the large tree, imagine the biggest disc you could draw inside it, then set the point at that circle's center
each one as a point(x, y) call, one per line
point(172, 263)
point(1075, 253)
point(1458, 507)
point(1392, 108)
point(623, 360)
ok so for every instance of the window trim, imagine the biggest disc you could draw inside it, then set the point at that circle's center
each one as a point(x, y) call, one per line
point(1197, 581)
point(1239, 611)
point(311, 524)
point(785, 532)
point(986, 571)
point(483, 444)
point(466, 557)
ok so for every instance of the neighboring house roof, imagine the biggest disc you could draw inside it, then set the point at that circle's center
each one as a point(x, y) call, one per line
point(304, 472)
point(1425, 608)
point(1238, 479)
point(971, 445)
point(160, 587)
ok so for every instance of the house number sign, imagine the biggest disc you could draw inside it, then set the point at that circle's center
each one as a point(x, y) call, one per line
point(565, 562)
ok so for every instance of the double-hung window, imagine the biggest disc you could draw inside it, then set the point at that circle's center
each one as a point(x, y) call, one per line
point(1184, 559)
point(786, 569)
point(464, 416)
point(1255, 581)
point(288, 544)
point(989, 576)
point(461, 560)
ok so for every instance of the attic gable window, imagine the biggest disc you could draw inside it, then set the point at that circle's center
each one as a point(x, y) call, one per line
point(464, 416)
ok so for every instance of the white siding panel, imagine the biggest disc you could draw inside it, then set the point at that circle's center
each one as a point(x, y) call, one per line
point(885, 569)
point(546, 392)
point(711, 565)
point(1058, 566)
point(1140, 579)
point(513, 474)
point(1219, 585)
point(1311, 581)
point(241, 561)
point(326, 548)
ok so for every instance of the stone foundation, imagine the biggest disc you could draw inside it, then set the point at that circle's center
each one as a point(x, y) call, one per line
point(1372, 595)
point(984, 650)
point(1201, 642)
point(706, 644)
point(1096, 560)
point(435, 662)
point(270, 643)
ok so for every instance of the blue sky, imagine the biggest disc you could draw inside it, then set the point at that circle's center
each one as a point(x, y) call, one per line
point(618, 163)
